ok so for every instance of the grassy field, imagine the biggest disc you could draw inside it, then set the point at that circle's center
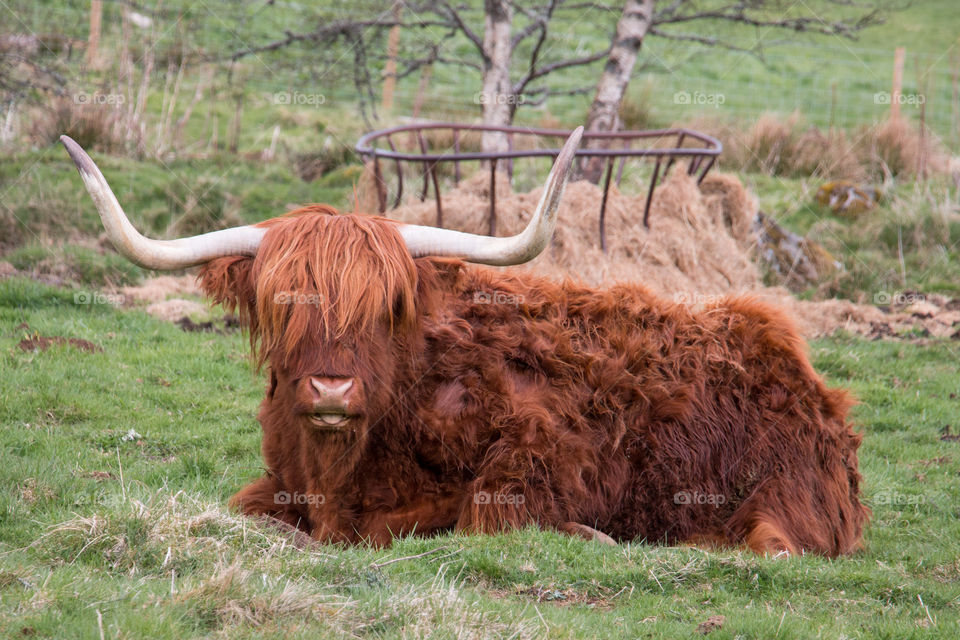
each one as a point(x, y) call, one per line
point(117, 465)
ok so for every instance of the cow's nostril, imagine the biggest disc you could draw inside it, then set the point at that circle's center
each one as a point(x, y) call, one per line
point(331, 392)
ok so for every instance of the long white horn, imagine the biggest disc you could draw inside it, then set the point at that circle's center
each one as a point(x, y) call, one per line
point(523, 247)
point(163, 255)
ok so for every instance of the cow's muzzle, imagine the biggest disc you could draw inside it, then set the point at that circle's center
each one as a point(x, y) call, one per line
point(333, 402)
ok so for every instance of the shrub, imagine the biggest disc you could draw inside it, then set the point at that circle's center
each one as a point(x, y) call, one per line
point(92, 126)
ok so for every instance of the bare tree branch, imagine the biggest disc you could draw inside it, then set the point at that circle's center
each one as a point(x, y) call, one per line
point(326, 33)
point(545, 92)
point(705, 40)
point(433, 28)
point(467, 31)
point(572, 62)
point(741, 13)
point(543, 24)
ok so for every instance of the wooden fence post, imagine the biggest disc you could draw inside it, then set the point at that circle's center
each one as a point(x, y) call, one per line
point(393, 45)
point(898, 56)
point(93, 41)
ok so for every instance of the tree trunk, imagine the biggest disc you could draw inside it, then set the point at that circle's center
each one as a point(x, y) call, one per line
point(496, 97)
point(93, 40)
point(605, 109)
point(390, 71)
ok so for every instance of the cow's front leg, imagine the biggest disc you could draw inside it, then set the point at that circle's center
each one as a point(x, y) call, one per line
point(492, 506)
point(428, 515)
point(516, 488)
point(509, 506)
point(332, 521)
point(267, 498)
point(512, 490)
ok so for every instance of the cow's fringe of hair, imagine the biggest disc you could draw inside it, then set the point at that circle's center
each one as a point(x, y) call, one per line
point(286, 295)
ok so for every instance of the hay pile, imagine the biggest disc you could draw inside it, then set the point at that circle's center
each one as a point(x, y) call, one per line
point(700, 246)
point(699, 240)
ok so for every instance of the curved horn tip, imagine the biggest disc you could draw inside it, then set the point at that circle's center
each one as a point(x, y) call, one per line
point(78, 155)
point(564, 159)
point(574, 138)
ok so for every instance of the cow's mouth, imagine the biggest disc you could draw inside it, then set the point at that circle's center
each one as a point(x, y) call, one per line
point(330, 420)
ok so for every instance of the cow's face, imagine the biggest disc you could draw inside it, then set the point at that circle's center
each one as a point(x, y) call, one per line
point(336, 387)
point(330, 302)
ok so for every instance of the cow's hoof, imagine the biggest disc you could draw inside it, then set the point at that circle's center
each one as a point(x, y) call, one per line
point(587, 533)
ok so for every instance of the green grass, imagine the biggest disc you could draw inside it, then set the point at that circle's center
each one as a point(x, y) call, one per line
point(118, 464)
point(44, 199)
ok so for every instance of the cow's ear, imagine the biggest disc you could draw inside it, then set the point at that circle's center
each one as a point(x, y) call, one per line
point(229, 281)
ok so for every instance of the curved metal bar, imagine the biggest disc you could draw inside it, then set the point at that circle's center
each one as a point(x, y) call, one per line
point(456, 150)
point(673, 157)
point(378, 182)
point(603, 206)
point(396, 201)
point(710, 145)
point(706, 168)
point(701, 157)
point(653, 185)
point(426, 166)
point(436, 193)
point(493, 198)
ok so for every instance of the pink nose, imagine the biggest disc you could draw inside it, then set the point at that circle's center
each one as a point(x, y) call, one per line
point(331, 393)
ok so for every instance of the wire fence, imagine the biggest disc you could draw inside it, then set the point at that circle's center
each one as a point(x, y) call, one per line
point(839, 85)
point(845, 87)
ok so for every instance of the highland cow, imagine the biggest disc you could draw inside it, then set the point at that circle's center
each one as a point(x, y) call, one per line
point(412, 393)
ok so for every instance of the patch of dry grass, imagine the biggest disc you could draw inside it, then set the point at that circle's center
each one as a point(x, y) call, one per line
point(91, 125)
point(234, 596)
point(787, 147)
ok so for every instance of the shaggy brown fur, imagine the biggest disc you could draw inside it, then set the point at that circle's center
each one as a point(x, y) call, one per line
point(494, 400)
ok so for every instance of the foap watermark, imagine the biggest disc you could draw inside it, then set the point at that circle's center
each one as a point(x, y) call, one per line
point(98, 297)
point(287, 498)
point(114, 99)
point(484, 97)
point(299, 99)
point(498, 297)
point(897, 298)
point(293, 297)
point(699, 98)
point(497, 497)
point(909, 99)
point(898, 499)
point(697, 498)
